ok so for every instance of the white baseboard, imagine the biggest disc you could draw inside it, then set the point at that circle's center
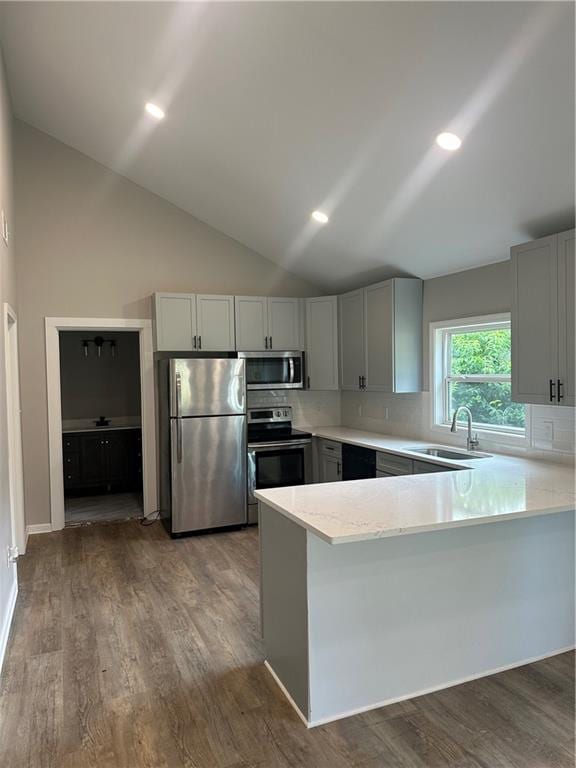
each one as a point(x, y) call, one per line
point(38, 528)
point(406, 697)
point(291, 701)
point(7, 621)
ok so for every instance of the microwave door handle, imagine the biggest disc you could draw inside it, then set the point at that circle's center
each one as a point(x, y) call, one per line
point(291, 366)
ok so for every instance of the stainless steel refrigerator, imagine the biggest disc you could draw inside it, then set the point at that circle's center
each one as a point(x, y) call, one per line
point(202, 414)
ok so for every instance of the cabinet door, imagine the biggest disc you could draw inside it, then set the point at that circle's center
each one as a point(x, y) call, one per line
point(215, 323)
point(175, 321)
point(117, 452)
point(251, 323)
point(322, 342)
point(566, 319)
point(330, 469)
point(379, 336)
point(534, 320)
point(351, 339)
point(92, 460)
point(284, 324)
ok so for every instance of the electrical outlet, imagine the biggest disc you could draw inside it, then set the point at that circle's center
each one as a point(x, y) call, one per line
point(359, 410)
point(12, 554)
point(548, 430)
point(386, 412)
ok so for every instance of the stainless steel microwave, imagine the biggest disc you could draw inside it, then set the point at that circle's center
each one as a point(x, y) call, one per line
point(274, 370)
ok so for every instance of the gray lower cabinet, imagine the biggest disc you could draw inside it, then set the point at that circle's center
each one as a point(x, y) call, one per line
point(330, 469)
point(329, 460)
point(542, 318)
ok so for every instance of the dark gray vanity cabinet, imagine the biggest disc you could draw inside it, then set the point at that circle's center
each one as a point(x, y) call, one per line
point(108, 460)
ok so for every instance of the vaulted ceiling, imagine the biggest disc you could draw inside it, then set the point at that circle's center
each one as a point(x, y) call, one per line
point(276, 109)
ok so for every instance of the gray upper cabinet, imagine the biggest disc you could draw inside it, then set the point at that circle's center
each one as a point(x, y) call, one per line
point(381, 337)
point(267, 323)
point(566, 318)
point(351, 306)
point(174, 321)
point(251, 323)
point(322, 342)
point(543, 320)
point(284, 323)
point(215, 323)
point(187, 322)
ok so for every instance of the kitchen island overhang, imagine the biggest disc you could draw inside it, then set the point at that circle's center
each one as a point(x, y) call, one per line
point(392, 612)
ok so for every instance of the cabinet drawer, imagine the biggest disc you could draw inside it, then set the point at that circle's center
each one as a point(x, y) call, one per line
point(331, 448)
point(394, 465)
point(71, 443)
point(423, 467)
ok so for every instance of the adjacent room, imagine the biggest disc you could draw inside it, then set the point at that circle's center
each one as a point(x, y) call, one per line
point(287, 384)
point(101, 436)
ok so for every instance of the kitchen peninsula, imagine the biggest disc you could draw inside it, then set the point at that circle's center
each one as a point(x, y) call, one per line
point(379, 590)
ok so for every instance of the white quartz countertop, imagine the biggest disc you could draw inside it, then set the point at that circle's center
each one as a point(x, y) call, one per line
point(478, 491)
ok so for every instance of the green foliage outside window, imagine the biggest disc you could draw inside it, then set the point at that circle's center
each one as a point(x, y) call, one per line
point(484, 353)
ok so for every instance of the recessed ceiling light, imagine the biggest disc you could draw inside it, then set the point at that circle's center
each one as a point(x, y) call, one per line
point(155, 111)
point(448, 141)
point(320, 217)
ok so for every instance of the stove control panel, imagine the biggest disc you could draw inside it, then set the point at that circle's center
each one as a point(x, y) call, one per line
point(269, 415)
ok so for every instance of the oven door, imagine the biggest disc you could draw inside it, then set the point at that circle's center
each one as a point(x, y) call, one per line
point(274, 465)
point(274, 370)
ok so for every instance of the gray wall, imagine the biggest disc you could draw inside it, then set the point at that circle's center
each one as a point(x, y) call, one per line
point(95, 386)
point(483, 291)
point(93, 244)
point(7, 293)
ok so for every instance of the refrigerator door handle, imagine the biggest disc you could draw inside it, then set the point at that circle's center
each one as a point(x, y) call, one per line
point(178, 419)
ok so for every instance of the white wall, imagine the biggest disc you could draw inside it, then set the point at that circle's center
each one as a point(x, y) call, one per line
point(7, 293)
point(95, 386)
point(93, 244)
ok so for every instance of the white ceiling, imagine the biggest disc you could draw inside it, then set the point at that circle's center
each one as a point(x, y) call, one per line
point(275, 109)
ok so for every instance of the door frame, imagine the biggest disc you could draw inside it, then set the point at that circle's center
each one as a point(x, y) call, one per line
point(14, 429)
point(53, 326)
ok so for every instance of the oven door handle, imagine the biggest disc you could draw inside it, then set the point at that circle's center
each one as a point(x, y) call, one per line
point(285, 444)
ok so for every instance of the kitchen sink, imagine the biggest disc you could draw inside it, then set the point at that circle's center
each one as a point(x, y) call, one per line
point(447, 453)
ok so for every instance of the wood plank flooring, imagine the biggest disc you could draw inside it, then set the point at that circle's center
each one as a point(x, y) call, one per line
point(130, 650)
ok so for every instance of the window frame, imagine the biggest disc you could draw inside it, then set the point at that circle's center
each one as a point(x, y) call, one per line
point(440, 379)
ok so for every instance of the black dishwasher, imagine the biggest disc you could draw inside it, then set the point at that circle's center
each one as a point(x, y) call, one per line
point(358, 463)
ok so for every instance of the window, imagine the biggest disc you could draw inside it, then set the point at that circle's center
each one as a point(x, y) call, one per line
point(472, 367)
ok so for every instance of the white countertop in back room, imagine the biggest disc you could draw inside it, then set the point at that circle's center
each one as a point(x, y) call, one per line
point(477, 491)
point(70, 426)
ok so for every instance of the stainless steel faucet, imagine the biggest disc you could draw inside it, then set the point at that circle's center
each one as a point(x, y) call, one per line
point(472, 441)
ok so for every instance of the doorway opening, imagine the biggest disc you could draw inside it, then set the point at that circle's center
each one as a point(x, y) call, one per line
point(95, 464)
point(101, 425)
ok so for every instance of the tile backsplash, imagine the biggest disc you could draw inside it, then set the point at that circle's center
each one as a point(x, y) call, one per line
point(551, 429)
point(320, 409)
